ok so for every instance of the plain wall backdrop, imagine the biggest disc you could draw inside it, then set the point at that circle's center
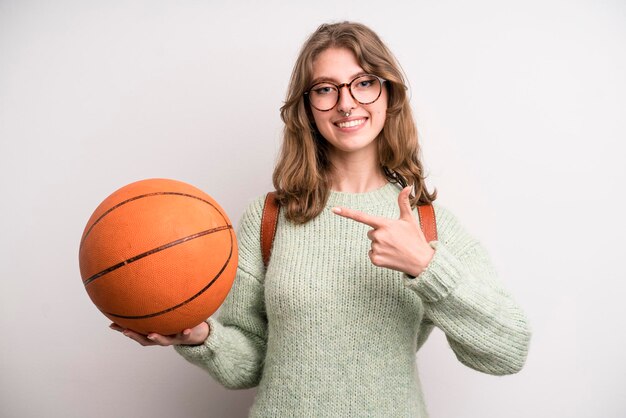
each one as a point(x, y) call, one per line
point(521, 111)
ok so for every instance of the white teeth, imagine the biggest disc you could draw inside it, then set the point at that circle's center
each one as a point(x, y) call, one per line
point(351, 123)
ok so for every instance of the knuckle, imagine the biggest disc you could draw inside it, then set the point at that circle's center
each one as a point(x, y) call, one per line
point(381, 238)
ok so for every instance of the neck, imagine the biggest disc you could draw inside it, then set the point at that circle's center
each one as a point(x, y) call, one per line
point(356, 174)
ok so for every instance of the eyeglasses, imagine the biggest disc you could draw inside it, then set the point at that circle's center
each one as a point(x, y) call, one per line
point(365, 89)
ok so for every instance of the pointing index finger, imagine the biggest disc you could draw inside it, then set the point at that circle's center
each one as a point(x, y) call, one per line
point(364, 218)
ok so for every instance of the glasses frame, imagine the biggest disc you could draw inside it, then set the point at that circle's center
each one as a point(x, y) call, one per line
point(340, 87)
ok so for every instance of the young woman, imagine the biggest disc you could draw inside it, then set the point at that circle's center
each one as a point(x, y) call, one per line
point(353, 288)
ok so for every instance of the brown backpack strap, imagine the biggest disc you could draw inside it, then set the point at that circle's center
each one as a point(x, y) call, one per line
point(428, 222)
point(269, 221)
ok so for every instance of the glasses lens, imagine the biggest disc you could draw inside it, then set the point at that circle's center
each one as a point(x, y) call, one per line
point(366, 89)
point(323, 96)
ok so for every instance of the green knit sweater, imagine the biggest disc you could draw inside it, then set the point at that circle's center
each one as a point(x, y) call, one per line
point(325, 333)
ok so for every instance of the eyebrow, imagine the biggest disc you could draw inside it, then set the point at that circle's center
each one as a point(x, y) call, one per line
point(322, 79)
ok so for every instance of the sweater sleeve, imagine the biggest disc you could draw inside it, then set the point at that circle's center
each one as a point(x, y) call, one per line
point(462, 296)
point(234, 351)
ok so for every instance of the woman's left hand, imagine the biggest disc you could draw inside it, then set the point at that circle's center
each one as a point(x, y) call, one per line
point(398, 244)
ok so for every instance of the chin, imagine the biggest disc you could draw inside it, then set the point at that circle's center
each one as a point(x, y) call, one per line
point(353, 146)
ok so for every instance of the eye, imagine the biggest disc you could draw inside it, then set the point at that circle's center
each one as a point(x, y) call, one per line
point(323, 89)
point(365, 83)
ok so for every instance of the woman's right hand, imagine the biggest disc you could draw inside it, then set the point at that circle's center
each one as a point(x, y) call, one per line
point(190, 336)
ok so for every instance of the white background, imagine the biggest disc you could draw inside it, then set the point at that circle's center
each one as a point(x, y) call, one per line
point(521, 109)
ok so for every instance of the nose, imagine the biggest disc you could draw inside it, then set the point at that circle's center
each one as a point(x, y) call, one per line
point(346, 101)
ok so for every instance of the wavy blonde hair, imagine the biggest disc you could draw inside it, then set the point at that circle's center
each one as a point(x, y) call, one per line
point(302, 176)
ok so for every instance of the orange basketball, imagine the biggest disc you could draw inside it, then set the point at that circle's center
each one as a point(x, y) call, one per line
point(159, 256)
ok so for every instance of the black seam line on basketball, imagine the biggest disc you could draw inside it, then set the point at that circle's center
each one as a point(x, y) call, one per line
point(217, 276)
point(141, 197)
point(154, 250)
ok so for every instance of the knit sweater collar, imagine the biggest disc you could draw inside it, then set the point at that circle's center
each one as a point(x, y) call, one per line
point(377, 197)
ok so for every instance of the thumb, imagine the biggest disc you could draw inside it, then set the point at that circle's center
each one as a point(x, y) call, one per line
point(405, 204)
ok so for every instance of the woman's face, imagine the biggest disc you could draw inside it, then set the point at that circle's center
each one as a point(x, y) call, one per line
point(347, 134)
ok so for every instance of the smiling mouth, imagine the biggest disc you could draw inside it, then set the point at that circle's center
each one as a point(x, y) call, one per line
point(350, 123)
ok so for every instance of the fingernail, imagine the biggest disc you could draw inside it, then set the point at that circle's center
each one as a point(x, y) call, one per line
point(126, 333)
point(336, 210)
point(151, 337)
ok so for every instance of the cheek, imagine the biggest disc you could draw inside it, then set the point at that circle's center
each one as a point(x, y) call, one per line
point(379, 109)
point(318, 118)
point(379, 115)
point(383, 102)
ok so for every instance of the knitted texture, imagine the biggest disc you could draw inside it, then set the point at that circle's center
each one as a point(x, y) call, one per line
point(325, 333)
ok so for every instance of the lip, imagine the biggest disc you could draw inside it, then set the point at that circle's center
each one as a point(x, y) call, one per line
point(350, 119)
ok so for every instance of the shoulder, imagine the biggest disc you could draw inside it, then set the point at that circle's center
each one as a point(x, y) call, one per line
point(249, 237)
point(443, 215)
point(251, 217)
point(449, 227)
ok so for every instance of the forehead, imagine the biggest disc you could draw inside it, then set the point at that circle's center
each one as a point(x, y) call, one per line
point(337, 64)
